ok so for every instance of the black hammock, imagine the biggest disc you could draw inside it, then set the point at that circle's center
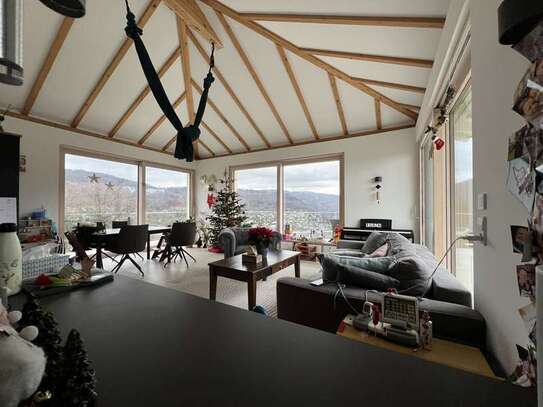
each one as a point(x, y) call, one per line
point(185, 136)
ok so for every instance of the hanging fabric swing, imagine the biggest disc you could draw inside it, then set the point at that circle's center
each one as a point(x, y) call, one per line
point(185, 136)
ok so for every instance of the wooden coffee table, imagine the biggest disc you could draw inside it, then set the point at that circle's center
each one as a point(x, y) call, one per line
point(234, 269)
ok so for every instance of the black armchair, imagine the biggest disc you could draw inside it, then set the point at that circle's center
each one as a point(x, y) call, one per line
point(182, 234)
point(132, 239)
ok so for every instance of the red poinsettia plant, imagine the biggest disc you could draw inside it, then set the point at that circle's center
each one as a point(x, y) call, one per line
point(260, 235)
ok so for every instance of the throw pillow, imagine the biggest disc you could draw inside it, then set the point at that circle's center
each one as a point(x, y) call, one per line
point(413, 273)
point(348, 252)
point(358, 277)
point(398, 244)
point(380, 252)
point(377, 264)
point(329, 267)
point(374, 241)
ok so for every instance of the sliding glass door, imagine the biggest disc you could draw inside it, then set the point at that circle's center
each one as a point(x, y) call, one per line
point(166, 196)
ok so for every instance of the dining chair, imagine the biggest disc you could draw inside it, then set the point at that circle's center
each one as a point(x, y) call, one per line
point(182, 234)
point(117, 224)
point(131, 240)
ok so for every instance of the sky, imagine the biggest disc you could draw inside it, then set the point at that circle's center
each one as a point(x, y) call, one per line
point(155, 176)
point(322, 177)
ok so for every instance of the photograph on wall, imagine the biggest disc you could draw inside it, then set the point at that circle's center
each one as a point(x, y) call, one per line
point(529, 317)
point(526, 280)
point(525, 373)
point(527, 143)
point(522, 239)
point(531, 46)
point(529, 95)
point(521, 181)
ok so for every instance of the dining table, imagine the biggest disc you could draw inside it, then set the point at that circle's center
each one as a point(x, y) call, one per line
point(104, 234)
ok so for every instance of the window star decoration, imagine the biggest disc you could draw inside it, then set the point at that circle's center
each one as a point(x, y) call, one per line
point(109, 185)
point(94, 178)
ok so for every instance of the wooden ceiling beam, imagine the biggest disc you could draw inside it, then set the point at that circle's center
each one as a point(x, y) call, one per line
point(339, 105)
point(411, 107)
point(160, 120)
point(419, 63)
point(322, 140)
point(68, 128)
point(222, 116)
point(205, 146)
point(377, 21)
point(298, 90)
point(54, 49)
point(185, 65)
point(119, 55)
point(200, 142)
point(192, 15)
point(378, 119)
point(216, 137)
point(143, 94)
point(270, 35)
point(392, 85)
point(229, 89)
point(254, 75)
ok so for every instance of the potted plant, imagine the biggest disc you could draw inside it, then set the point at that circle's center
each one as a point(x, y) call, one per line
point(261, 237)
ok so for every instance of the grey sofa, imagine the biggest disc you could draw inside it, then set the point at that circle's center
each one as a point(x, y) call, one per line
point(447, 301)
point(235, 241)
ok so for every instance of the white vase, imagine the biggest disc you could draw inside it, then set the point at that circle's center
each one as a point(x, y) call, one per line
point(11, 258)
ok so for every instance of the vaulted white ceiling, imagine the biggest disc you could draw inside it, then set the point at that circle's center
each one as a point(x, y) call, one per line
point(94, 41)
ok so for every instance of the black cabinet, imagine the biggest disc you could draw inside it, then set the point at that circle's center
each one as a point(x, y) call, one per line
point(9, 166)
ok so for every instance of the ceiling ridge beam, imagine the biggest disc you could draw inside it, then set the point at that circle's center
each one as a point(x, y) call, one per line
point(378, 118)
point(216, 137)
point(323, 140)
point(377, 21)
point(66, 127)
point(416, 62)
point(160, 120)
point(48, 62)
point(190, 12)
point(222, 117)
point(222, 9)
point(143, 94)
point(117, 58)
point(392, 85)
point(229, 89)
point(185, 65)
point(254, 75)
point(339, 105)
point(297, 89)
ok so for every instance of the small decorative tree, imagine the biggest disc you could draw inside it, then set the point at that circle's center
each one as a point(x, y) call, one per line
point(227, 211)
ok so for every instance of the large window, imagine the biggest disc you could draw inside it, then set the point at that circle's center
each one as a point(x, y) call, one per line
point(98, 188)
point(462, 137)
point(166, 196)
point(257, 188)
point(303, 196)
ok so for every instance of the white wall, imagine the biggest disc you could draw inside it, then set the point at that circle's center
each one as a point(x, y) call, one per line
point(40, 185)
point(496, 71)
point(390, 155)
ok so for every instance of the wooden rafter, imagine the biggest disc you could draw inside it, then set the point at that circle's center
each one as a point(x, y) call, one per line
point(297, 89)
point(216, 137)
point(254, 75)
point(412, 22)
point(54, 49)
point(106, 75)
point(169, 143)
point(160, 120)
point(221, 8)
point(378, 119)
point(185, 65)
point(143, 94)
point(411, 107)
point(324, 139)
point(204, 145)
point(192, 15)
point(392, 85)
point(229, 89)
point(419, 63)
point(222, 116)
point(66, 127)
point(339, 105)
point(199, 142)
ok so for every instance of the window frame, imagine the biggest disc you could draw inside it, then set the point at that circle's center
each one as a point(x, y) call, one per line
point(141, 166)
point(280, 164)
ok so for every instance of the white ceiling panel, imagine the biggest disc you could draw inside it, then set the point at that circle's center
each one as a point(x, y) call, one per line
point(358, 107)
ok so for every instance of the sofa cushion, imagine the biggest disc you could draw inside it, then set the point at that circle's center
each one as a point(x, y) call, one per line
point(397, 244)
point(359, 277)
point(348, 252)
point(446, 287)
point(374, 241)
point(377, 264)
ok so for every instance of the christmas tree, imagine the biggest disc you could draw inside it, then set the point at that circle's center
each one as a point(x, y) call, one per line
point(49, 340)
point(78, 385)
point(228, 211)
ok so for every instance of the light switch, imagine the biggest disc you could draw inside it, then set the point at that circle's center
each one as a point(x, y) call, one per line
point(481, 201)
